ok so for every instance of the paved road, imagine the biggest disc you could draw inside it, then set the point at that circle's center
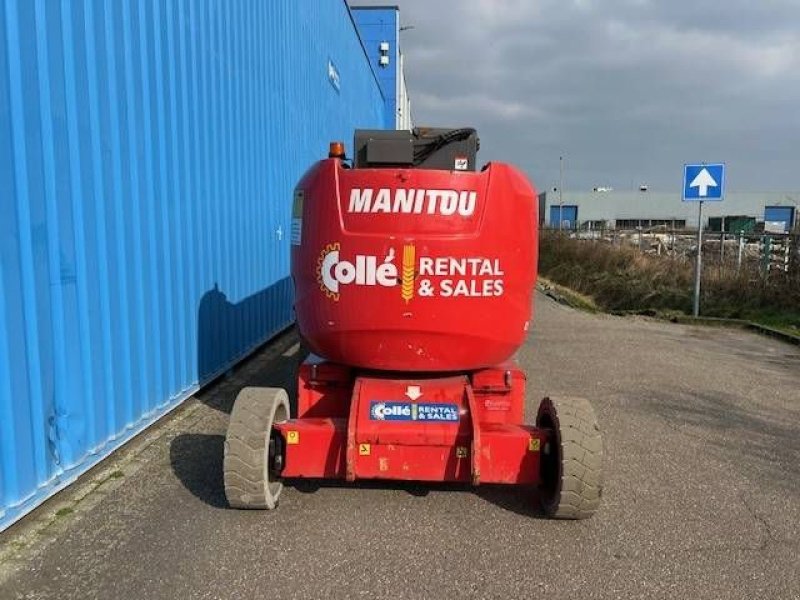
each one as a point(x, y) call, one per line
point(702, 498)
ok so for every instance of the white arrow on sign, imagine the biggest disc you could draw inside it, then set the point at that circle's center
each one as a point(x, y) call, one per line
point(413, 392)
point(702, 182)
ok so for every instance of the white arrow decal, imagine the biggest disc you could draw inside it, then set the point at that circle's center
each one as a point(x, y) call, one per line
point(702, 182)
point(413, 392)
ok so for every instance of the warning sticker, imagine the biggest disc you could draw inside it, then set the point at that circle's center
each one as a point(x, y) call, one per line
point(297, 217)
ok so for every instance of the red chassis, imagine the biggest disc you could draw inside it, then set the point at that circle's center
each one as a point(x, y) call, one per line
point(457, 428)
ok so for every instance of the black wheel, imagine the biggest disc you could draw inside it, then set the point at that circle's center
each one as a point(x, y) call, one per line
point(572, 461)
point(253, 451)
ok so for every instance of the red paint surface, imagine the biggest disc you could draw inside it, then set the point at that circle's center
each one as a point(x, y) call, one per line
point(370, 320)
point(345, 440)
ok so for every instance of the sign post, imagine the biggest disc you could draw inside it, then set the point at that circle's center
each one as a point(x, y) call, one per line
point(698, 269)
point(700, 183)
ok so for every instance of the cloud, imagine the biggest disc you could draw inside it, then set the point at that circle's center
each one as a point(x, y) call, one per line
point(626, 90)
point(477, 104)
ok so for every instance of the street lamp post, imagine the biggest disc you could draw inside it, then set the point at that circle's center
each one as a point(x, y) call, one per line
point(560, 193)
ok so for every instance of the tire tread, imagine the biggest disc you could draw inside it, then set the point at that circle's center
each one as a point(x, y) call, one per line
point(244, 465)
point(581, 487)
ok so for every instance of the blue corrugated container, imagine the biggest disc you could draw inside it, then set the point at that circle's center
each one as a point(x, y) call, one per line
point(780, 214)
point(379, 27)
point(148, 151)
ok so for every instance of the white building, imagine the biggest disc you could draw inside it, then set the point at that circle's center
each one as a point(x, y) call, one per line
point(631, 209)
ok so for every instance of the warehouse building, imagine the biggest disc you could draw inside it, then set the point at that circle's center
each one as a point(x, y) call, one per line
point(148, 155)
point(606, 208)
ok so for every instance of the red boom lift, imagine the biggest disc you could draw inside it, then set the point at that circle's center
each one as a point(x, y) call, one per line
point(414, 274)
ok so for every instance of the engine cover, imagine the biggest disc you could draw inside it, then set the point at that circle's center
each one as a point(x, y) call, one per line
point(414, 270)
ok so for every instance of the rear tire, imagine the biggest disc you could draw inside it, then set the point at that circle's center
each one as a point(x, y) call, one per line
point(253, 451)
point(572, 461)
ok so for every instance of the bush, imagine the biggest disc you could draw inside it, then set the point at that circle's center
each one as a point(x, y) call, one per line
point(624, 279)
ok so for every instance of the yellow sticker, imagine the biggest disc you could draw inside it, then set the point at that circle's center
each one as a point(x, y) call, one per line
point(292, 437)
point(533, 444)
point(407, 285)
point(461, 452)
point(364, 449)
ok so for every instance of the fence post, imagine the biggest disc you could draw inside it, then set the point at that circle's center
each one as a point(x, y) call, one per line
point(786, 253)
point(741, 251)
point(766, 252)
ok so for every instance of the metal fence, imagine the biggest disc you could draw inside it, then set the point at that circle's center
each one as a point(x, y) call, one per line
point(771, 256)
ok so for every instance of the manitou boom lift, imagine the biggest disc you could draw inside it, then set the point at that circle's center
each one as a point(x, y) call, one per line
point(413, 274)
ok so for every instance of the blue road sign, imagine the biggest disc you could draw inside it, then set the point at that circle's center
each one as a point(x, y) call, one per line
point(703, 182)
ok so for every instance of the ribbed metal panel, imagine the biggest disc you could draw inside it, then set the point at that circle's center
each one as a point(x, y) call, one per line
point(381, 25)
point(148, 151)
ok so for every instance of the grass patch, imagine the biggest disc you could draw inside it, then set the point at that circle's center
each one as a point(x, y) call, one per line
point(788, 323)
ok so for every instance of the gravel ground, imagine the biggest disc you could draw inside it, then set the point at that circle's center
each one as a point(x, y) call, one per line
point(702, 496)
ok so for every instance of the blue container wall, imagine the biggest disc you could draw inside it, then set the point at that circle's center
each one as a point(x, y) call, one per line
point(378, 25)
point(148, 152)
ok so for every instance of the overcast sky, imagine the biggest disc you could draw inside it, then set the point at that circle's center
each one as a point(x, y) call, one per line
point(627, 91)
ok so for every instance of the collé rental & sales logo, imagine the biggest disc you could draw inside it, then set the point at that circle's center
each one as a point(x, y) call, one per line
point(413, 411)
point(423, 276)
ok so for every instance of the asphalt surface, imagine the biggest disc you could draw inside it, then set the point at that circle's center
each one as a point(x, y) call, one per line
point(702, 494)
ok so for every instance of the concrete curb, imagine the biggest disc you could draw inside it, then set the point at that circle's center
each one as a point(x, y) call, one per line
point(742, 323)
point(564, 295)
point(776, 333)
point(783, 336)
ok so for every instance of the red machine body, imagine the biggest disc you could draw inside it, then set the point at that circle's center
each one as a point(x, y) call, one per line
point(414, 270)
point(413, 289)
point(464, 427)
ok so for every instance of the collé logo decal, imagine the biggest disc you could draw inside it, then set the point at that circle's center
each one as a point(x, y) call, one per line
point(408, 411)
point(423, 276)
point(333, 271)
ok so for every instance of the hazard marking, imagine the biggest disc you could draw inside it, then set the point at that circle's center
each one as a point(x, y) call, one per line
point(292, 437)
point(364, 449)
point(533, 444)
